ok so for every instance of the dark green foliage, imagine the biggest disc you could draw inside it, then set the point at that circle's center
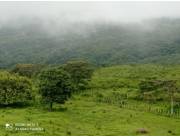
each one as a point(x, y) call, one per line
point(27, 69)
point(80, 71)
point(14, 89)
point(155, 41)
point(55, 86)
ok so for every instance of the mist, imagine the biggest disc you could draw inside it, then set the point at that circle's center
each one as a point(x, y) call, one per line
point(58, 18)
point(102, 32)
point(61, 12)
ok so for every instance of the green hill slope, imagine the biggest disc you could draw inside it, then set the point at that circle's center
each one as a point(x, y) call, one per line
point(152, 41)
point(98, 110)
point(129, 76)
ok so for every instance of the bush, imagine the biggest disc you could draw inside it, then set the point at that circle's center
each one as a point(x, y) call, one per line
point(14, 89)
point(80, 72)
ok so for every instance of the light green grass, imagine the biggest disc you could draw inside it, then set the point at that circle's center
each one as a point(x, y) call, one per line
point(84, 115)
point(128, 76)
point(88, 118)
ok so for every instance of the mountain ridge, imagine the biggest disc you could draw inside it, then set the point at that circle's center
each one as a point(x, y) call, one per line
point(101, 43)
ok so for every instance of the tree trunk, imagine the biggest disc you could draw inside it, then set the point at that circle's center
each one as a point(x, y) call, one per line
point(50, 106)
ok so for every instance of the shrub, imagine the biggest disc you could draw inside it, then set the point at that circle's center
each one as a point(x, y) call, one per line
point(14, 89)
point(80, 72)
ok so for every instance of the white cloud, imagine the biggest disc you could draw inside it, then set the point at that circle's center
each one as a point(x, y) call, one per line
point(89, 11)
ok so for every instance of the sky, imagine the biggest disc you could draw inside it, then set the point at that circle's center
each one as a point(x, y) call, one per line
point(89, 11)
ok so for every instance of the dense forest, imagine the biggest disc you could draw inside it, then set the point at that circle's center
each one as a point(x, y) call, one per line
point(101, 43)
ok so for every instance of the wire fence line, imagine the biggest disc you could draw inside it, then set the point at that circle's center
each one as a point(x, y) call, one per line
point(118, 100)
point(142, 108)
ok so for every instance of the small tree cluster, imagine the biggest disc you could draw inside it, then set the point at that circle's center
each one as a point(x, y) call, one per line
point(57, 84)
point(14, 89)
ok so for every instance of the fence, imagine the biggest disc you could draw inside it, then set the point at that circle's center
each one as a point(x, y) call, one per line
point(117, 100)
point(142, 108)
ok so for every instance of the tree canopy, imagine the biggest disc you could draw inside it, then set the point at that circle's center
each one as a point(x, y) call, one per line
point(55, 86)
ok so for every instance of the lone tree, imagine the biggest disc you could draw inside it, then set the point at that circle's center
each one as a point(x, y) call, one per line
point(55, 86)
point(80, 71)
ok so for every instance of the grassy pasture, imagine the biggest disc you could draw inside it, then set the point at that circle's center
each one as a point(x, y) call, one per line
point(86, 114)
point(79, 117)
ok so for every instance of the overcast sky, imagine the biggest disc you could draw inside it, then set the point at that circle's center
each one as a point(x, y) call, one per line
point(90, 11)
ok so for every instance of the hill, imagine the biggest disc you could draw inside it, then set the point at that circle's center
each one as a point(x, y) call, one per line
point(99, 110)
point(102, 43)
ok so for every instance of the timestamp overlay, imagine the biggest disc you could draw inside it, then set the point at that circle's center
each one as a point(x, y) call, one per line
point(23, 126)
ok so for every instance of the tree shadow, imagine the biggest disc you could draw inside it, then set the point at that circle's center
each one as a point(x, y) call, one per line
point(58, 109)
point(15, 105)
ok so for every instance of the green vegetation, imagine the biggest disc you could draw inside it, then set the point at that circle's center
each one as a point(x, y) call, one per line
point(28, 70)
point(82, 117)
point(113, 104)
point(132, 88)
point(154, 41)
point(80, 71)
point(14, 89)
point(55, 86)
point(150, 89)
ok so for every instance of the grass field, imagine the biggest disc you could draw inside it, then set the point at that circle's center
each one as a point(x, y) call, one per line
point(88, 118)
point(83, 114)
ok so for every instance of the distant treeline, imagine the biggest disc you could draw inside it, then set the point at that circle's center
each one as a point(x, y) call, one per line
point(152, 41)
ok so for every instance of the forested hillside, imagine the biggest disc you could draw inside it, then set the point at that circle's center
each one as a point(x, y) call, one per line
point(101, 43)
